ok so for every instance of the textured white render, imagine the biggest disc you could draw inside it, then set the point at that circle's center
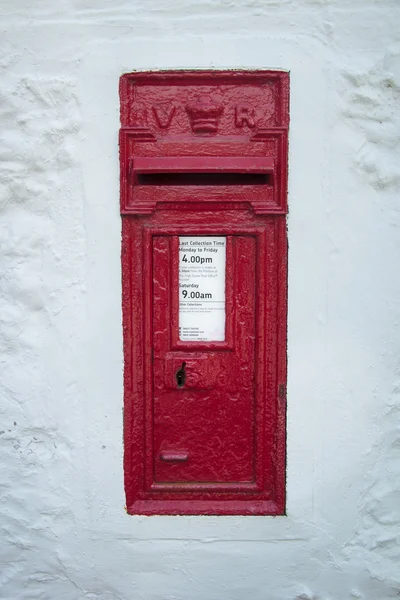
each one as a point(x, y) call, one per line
point(64, 531)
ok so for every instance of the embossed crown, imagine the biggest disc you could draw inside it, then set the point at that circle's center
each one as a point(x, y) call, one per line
point(204, 114)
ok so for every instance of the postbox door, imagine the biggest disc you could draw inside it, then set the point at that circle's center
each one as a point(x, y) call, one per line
point(204, 393)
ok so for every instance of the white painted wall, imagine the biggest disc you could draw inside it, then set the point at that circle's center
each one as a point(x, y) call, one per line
point(64, 532)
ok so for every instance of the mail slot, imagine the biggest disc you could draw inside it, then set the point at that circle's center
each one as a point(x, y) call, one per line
point(203, 160)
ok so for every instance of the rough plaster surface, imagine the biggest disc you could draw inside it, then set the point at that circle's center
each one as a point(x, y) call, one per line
point(64, 532)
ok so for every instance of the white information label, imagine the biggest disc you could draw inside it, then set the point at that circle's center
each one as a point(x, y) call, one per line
point(202, 262)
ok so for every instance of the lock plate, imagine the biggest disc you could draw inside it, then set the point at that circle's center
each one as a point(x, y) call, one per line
point(198, 373)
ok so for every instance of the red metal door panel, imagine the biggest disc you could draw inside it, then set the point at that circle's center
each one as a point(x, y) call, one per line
point(168, 431)
point(204, 431)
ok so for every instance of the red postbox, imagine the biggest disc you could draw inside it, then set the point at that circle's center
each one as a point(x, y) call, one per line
point(203, 204)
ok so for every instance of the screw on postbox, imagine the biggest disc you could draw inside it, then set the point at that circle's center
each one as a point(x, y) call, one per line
point(203, 201)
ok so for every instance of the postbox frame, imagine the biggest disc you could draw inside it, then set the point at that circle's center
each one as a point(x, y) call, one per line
point(144, 219)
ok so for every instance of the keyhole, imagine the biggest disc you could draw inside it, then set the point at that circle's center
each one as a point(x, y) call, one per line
point(181, 376)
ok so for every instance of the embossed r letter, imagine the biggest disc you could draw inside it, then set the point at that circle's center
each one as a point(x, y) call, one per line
point(244, 114)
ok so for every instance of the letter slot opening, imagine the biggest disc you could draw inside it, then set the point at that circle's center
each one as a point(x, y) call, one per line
point(202, 170)
point(201, 179)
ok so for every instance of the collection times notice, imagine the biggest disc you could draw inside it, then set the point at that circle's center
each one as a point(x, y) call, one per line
point(202, 262)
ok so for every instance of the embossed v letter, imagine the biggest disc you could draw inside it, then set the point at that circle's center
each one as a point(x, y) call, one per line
point(163, 114)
